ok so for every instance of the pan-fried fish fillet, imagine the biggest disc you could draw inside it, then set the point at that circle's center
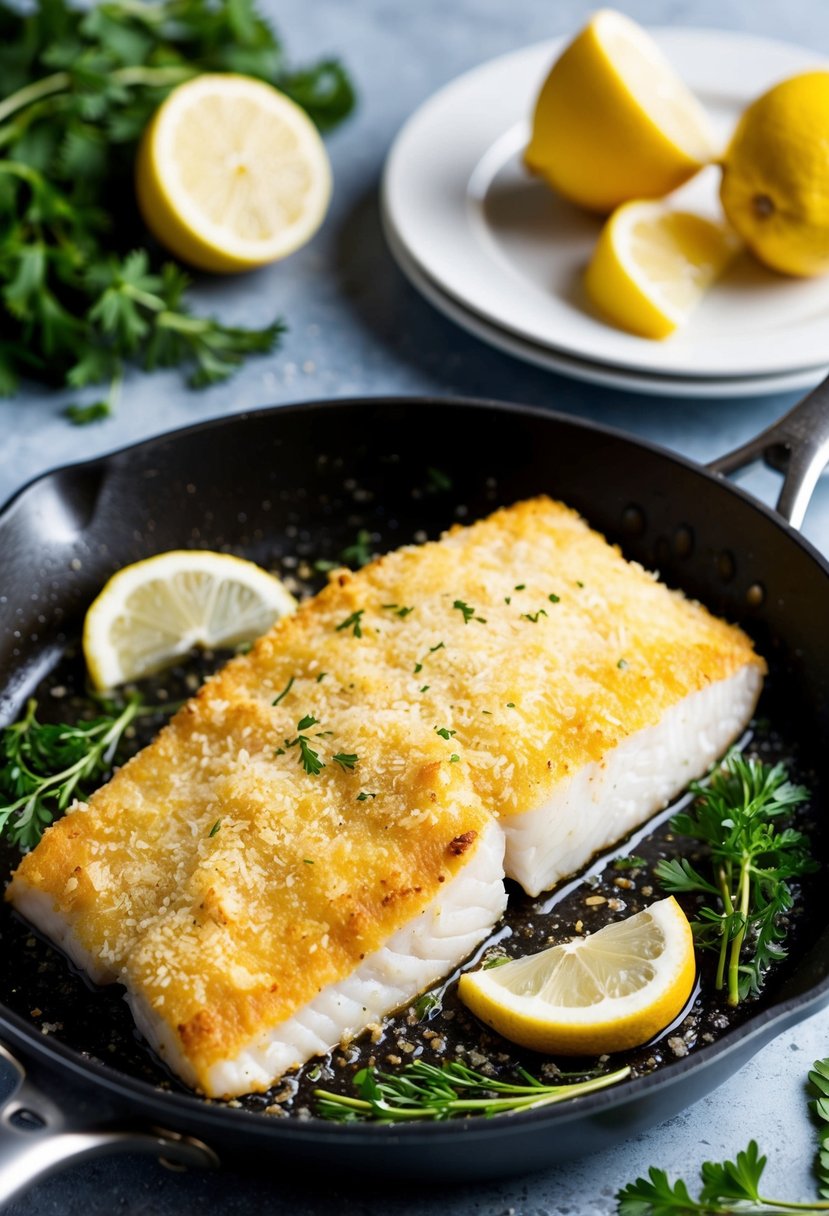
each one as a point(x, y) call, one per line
point(517, 678)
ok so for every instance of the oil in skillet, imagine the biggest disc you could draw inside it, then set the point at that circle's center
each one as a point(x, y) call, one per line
point(45, 989)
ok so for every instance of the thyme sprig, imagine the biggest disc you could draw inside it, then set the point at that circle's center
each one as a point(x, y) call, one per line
point(741, 815)
point(423, 1091)
point(45, 766)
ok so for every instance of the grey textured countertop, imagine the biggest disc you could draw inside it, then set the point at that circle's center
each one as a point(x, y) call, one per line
point(357, 327)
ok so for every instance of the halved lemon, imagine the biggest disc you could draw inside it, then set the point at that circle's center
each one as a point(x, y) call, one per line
point(151, 613)
point(652, 265)
point(614, 121)
point(231, 174)
point(607, 992)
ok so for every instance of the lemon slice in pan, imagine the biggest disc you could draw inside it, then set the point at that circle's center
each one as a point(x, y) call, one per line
point(612, 990)
point(154, 611)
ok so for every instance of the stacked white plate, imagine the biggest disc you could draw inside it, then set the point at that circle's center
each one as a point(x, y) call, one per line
point(496, 251)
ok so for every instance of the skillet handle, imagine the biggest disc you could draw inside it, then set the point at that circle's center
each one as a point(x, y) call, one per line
point(37, 1139)
point(797, 445)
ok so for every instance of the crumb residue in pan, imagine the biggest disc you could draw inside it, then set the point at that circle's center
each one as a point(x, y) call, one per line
point(43, 988)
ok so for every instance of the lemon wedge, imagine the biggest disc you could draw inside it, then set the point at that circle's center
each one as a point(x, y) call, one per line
point(607, 992)
point(231, 174)
point(613, 120)
point(652, 265)
point(153, 612)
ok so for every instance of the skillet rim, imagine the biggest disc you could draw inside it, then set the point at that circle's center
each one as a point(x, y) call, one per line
point(762, 1026)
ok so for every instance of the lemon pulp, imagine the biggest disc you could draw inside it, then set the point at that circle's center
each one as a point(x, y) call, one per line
point(610, 991)
point(613, 120)
point(652, 265)
point(153, 612)
point(231, 174)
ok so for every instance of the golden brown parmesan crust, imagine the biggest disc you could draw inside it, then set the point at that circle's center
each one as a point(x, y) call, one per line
point(531, 645)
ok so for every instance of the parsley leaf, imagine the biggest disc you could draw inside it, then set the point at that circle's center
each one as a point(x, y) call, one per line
point(353, 620)
point(82, 291)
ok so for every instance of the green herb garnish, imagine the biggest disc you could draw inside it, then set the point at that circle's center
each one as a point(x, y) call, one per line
point(360, 553)
point(454, 758)
point(45, 766)
point(468, 612)
point(80, 297)
point(284, 692)
point(398, 609)
point(364, 795)
point(438, 480)
point(308, 758)
point(445, 732)
point(623, 664)
point(344, 759)
point(215, 828)
point(629, 863)
point(353, 621)
point(422, 1091)
point(533, 616)
point(554, 599)
point(440, 646)
point(742, 816)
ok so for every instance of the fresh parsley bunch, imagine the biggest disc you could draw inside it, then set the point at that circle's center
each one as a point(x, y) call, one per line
point(79, 294)
point(742, 816)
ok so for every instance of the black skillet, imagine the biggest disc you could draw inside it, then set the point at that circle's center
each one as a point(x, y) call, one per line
point(300, 480)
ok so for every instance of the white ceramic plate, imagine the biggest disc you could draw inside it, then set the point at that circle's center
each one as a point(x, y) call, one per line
point(460, 205)
point(598, 373)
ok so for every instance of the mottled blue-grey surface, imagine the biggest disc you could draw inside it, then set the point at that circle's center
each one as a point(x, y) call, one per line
point(357, 327)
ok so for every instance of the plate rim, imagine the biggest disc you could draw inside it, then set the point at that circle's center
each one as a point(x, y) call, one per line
point(396, 164)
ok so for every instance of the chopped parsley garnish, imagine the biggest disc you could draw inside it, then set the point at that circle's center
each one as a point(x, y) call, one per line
point(344, 759)
point(468, 612)
point(554, 599)
point(360, 553)
point(622, 664)
point(284, 692)
point(440, 646)
point(438, 480)
point(533, 616)
point(353, 621)
point(454, 758)
point(510, 705)
point(364, 796)
point(322, 565)
point(321, 676)
point(507, 599)
point(280, 751)
point(418, 667)
point(425, 688)
point(520, 587)
point(497, 960)
point(305, 723)
point(445, 732)
point(215, 828)
point(308, 758)
point(307, 861)
point(398, 609)
point(579, 583)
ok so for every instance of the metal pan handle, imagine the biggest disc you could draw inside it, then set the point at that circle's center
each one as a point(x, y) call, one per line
point(797, 445)
point(37, 1138)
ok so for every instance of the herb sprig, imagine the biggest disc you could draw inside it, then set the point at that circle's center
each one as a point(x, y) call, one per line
point(423, 1091)
point(45, 766)
point(80, 295)
point(730, 1187)
point(741, 815)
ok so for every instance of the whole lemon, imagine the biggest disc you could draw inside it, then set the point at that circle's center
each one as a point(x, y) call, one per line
point(613, 120)
point(775, 184)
